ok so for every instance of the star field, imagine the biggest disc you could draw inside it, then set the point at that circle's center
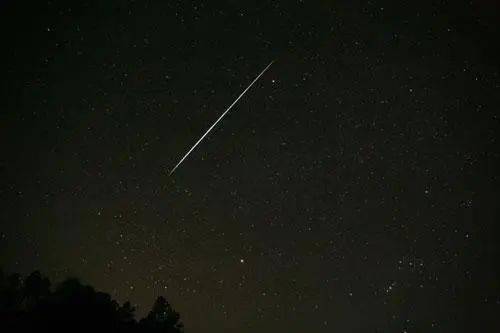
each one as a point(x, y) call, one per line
point(354, 188)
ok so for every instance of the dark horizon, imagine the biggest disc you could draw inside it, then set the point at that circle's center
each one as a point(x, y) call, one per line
point(353, 188)
point(34, 303)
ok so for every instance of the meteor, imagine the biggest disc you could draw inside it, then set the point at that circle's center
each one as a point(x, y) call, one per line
point(227, 110)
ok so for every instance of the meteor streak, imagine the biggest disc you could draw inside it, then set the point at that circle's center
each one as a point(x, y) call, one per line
point(227, 110)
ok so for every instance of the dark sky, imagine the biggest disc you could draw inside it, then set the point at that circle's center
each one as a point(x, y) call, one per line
point(352, 189)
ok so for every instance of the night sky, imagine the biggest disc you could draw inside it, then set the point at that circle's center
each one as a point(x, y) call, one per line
point(354, 188)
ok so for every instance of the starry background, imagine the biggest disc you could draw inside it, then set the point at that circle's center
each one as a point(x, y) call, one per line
point(354, 188)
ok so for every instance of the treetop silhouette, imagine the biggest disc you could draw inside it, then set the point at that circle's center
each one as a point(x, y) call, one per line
point(31, 305)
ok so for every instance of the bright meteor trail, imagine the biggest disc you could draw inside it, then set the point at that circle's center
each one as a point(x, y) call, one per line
point(227, 110)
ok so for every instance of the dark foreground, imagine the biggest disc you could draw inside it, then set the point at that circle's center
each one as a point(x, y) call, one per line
point(31, 304)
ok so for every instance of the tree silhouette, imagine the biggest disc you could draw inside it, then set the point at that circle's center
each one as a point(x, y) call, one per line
point(36, 288)
point(10, 292)
point(31, 305)
point(126, 313)
point(162, 318)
